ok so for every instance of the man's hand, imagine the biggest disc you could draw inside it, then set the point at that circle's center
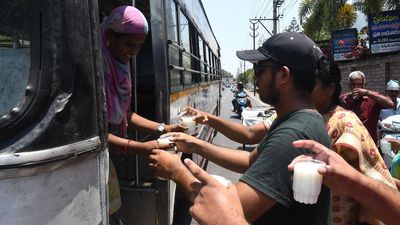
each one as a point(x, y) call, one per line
point(185, 143)
point(165, 164)
point(200, 116)
point(359, 92)
point(213, 203)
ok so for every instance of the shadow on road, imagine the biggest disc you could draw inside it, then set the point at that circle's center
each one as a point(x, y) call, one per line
point(235, 117)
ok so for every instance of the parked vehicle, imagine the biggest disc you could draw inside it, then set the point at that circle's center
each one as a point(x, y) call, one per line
point(390, 128)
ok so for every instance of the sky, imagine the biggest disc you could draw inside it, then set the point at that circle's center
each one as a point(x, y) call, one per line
point(229, 20)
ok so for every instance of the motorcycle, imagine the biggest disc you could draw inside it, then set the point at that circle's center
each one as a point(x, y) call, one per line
point(389, 128)
point(240, 102)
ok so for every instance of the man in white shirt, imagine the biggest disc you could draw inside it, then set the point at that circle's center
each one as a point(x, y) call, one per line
point(392, 91)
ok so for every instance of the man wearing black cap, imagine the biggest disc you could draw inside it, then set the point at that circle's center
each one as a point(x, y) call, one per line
point(285, 67)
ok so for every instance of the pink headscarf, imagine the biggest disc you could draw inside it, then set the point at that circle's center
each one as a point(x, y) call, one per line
point(117, 78)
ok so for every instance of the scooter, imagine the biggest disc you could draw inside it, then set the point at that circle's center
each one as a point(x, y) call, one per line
point(389, 128)
point(240, 102)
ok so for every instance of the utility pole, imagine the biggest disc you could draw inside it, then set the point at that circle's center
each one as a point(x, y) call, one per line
point(254, 21)
point(254, 35)
point(254, 47)
point(275, 17)
point(275, 6)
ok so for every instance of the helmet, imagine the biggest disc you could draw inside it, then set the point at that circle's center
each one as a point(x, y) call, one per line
point(240, 85)
point(392, 86)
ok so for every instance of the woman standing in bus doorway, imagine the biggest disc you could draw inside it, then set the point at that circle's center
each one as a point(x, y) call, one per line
point(122, 34)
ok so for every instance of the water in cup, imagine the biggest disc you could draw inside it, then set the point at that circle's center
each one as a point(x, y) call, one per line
point(307, 181)
point(164, 141)
point(189, 122)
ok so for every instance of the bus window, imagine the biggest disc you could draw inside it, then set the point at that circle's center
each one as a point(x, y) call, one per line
point(206, 61)
point(172, 24)
point(194, 50)
point(14, 53)
point(185, 43)
point(201, 56)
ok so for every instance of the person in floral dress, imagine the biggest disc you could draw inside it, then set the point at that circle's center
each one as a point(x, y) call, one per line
point(352, 141)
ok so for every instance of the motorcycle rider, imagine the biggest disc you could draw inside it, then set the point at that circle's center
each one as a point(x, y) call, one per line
point(239, 89)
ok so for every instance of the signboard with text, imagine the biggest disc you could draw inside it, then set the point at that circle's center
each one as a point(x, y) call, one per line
point(384, 31)
point(342, 44)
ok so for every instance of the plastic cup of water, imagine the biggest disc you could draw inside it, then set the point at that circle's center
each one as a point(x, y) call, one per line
point(189, 122)
point(307, 181)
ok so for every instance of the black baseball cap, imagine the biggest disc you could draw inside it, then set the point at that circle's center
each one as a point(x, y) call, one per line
point(291, 49)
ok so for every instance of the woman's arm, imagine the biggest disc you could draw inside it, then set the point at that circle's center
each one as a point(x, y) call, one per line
point(137, 122)
point(131, 147)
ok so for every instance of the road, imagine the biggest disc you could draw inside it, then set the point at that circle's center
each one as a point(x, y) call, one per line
point(226, 113)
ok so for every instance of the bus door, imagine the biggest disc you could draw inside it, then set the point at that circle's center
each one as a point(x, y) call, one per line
point(144, 198)
point(53, 158)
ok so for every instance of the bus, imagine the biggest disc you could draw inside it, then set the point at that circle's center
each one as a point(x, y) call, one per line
point(53, 146)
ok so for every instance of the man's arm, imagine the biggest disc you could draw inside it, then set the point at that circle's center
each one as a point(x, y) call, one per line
point(238, 132)
point(343, 178)
point(382, 100)
point(232, 159)
point(213, 203)
point(254, 202)
point(234, 131)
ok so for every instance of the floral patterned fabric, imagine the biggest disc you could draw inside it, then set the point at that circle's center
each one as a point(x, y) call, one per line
point(352, 140)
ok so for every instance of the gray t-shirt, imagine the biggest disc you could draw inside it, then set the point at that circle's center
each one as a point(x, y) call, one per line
point(269, 173)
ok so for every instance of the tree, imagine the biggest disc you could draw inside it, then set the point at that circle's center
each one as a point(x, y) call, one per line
point(226, 74)
point(371, 6)
point(293, 26)
point(346, 16)
point(247, 76)
point(322, 16)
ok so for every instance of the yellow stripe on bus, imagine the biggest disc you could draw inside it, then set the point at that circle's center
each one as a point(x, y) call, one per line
point(177, 95)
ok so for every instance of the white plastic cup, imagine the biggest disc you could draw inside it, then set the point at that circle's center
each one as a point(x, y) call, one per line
point(307, 181)
point(164, 141)
point(386, 147)
point(189, 122)
point(221, 180)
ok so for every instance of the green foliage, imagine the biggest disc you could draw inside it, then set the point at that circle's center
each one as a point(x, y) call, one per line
point(371, 6)
point(247, 76)
point(322, 16)
point(226, 74)
point(293, 26)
